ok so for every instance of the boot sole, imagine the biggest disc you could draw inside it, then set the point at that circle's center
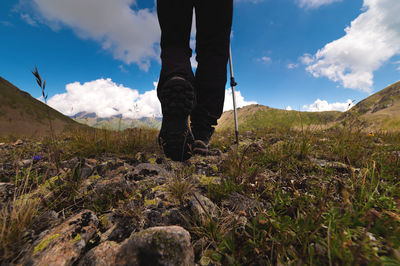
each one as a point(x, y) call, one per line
point(177, 100)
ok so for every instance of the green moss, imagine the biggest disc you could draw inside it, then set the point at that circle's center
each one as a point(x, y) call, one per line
point(157, 188)
point(104, 220)
point(204, 261)
point(44, 243)
point(77, 238)
point(207, 180)
point(214, 168)
point(51, 182)
point(94, 178)
point(114, 244)
point(148, 202)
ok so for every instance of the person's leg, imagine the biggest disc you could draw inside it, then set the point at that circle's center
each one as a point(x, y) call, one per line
point(213, 22)
point(175, 19)
point(175, 88)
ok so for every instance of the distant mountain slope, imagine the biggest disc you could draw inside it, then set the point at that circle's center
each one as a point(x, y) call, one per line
point(381, 110)
point(21, 114)
point(259, 116)
point(116, 122)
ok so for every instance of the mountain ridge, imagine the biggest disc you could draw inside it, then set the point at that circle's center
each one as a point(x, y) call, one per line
point(116, 122)
point(22, 114)
point(379, 111)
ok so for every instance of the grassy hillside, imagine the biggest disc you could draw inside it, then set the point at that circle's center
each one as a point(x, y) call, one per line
point(21, 114)
point(260, 117)
point(381, 110)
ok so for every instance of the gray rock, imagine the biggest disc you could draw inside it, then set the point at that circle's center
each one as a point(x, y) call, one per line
point(238, 203)
point(341, 167)
point(149, 171)
point(257, 147)
point(102, 255)
point(166, 245)
point(25, 163)
point(104, 194)
point(114, 186)
point(202, 207)
point(65, 243)
point(85, 171)
point(18, 142)
point(70, 164)
point(6, 193)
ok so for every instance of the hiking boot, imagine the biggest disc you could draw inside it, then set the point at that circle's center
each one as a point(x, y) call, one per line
point(177, 100)
point(202, 135)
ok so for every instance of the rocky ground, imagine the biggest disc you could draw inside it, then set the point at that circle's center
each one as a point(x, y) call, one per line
point(124, 211)
point(231, 207)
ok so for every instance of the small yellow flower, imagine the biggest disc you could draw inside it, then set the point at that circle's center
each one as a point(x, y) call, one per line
point(371, 134)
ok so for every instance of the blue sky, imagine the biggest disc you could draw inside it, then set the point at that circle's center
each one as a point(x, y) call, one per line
point(103, 56)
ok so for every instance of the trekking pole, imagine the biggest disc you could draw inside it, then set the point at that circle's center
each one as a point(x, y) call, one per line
point(233, 84)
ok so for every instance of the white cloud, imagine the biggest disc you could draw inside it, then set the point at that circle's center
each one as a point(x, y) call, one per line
point(322, 105)
point(192, 42)
point(240, 101)
point(106, 98)
point(193, 62)
point(249, 1)
point(397, 63)
point(314, 3)
point(6, 23)
point(370, 41)
point(289, 108)
point(28, 19)
point(264, 59)
point(132, 35)
point(292, 66)
point(123, 69)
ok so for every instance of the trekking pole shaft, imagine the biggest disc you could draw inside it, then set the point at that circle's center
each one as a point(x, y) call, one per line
point(233, 84)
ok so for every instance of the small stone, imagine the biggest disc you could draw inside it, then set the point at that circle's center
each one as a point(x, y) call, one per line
point(173, 217)
point(85, 171)
point(70, 164)
point(18, 142)
point(121, 230)
point(203, 207)
point(6, 193)
point(341, 167)
point(148, 171)
point(241, 204)
point(257, 147)
point(25, 163)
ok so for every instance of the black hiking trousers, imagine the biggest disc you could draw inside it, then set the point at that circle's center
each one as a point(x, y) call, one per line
point(213, 29)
